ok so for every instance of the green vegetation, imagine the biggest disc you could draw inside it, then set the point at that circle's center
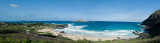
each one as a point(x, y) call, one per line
point(157, 12)
point(17, 33)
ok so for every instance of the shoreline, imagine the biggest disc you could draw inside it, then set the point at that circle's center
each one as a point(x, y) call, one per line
point(81, 37)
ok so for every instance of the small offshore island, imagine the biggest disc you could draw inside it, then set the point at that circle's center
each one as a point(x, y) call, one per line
point(82, 20)
point(38, 32)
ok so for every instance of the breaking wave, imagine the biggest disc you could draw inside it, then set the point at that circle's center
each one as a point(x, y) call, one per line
point(77, 30)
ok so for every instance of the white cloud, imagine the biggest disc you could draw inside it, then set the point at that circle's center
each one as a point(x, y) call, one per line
point(14, 5)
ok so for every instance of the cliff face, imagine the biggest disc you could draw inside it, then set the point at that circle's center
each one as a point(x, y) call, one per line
point(152, 24)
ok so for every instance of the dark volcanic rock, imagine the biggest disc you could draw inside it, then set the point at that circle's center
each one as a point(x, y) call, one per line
point(136, 32)
point(143, 35)
point(62, 32)
point(61, 26)
point(152, 24)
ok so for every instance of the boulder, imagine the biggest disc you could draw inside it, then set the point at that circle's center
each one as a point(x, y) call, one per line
point(62, 32)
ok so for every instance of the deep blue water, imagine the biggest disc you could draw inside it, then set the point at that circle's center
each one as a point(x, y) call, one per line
point(97, 28)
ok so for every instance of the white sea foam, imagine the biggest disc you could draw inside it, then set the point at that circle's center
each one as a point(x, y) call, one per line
point(142, 26)
point(77, 30)
point(138, 24)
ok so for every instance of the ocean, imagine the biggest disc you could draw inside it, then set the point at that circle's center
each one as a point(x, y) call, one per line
point(98, 28)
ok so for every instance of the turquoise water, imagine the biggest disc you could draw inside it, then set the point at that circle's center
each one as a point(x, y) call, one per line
point(99, 28)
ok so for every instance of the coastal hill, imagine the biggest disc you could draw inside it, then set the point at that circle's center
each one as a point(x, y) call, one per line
point(152, 24)
point(153, 19)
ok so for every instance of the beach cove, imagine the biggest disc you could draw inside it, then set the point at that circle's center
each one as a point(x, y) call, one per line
point(81, 37)
point(91, 30)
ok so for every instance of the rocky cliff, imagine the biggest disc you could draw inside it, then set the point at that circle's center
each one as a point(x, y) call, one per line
point(152, 24)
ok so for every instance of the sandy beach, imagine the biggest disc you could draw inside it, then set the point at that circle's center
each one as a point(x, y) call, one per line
point(80, 37)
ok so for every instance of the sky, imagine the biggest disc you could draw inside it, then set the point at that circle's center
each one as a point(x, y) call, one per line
point(68, 10)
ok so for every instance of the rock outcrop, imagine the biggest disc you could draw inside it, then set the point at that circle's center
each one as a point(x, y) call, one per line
point(61, 26)
point(152, 24)
point(142, 35)
point(1, 23)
